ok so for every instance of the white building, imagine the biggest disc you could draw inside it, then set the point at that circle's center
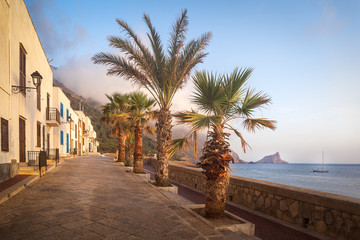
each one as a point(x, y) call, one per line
point(32, 118)
point(62, 134)
point(24, 114)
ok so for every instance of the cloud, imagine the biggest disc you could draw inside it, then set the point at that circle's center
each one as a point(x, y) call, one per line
point(329, 23)
point(58, 34)
point(90, 80)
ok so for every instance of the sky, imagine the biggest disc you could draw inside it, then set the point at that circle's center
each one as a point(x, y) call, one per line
point(305, 55)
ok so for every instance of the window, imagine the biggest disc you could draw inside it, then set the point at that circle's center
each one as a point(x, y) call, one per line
point(67, 115)
point(67, 143)
point(22, 75)
point(38, 93)
point(4, 135)
point(61, 110)
point(38, 128)
point(75, 131)
point(61, 137)
point(44, 137)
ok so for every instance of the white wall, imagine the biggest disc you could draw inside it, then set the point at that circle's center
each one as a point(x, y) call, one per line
point(23, 32)
point(60, 98)
point(4, 70)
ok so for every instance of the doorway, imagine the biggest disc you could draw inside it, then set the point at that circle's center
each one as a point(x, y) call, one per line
point(22, 145)
point(48, 142)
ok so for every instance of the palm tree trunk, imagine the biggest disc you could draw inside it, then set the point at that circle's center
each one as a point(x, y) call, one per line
point(121, 147)
point(138, 150)
point(128, 155)
point(215, 162)
point(215, 197)
point(163, 138)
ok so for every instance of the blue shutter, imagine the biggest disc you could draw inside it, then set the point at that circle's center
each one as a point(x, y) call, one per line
point(67, 143)
point(61, 137)
point(67, 114)
point(61, 110)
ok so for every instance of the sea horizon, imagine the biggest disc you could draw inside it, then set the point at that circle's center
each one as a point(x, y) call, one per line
point(342, 179)
point(300, 163)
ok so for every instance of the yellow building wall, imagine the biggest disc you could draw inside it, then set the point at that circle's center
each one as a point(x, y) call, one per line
point(4, 69)
point(23, 32)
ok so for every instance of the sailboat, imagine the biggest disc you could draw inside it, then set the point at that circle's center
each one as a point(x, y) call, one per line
point(322, 170)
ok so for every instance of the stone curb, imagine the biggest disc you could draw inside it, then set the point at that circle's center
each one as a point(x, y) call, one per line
point(243, 226)
point(18, 187)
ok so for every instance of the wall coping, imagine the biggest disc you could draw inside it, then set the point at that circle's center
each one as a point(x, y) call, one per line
point(329, 200)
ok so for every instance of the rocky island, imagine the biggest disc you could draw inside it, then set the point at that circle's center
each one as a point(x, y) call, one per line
point(275, 158)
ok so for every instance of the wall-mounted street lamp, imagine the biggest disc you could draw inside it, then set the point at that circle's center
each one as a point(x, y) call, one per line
point(36, 77)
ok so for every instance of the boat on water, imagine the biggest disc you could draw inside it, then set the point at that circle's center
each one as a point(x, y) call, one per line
point(322, 170)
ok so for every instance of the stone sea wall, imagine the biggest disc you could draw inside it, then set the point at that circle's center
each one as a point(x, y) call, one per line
point(330, 214)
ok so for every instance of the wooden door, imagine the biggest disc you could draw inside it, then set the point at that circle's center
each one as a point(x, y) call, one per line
point(44, 149)
point(22, 145)
point(48, 107)
point(48, 142)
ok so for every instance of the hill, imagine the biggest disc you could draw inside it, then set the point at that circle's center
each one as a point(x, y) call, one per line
point(275, 158)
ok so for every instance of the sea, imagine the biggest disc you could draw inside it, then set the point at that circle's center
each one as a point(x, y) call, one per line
point(342, 179)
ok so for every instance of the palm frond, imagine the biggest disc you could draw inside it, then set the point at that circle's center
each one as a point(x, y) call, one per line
point(178, 144)
point(209, 93)
point(251, 102)
point(244, 144)
point(191, 56)
point(196, 120)
point(150, 130)
point(145, 51)
point(251, 124)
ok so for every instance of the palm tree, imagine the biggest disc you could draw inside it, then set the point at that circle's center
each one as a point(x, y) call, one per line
point(140, 113)
point(221, 99)
point(161, 72)
point(113, 115)
point(129, 147)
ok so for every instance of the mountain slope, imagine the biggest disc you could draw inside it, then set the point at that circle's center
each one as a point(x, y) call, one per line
point(93, 110)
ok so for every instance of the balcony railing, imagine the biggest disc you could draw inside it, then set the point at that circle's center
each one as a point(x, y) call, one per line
point(33, 158)
point(52, 116)
point(37, 159)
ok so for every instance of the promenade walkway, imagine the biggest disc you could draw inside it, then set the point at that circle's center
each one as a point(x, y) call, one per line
point(94, 198)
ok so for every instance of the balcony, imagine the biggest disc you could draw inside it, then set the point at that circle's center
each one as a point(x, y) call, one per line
point(52, 117)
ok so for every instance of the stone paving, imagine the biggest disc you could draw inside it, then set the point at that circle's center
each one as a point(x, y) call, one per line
point(94, 198)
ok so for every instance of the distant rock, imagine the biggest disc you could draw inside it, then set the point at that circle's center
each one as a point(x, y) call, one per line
point(275, 158)
point(236, 157)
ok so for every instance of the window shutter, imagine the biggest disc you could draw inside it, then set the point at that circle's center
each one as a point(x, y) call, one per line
point(61, 110)
point(4, 135)
point(38, 134)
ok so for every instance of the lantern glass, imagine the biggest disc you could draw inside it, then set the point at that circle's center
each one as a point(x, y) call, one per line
point(36, 78)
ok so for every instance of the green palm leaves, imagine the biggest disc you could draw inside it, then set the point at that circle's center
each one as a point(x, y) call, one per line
point(159, 71)
point(130, 115)
point(223, 98)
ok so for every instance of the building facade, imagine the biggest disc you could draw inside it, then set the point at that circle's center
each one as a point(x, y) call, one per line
point(35, 118)
point(24, 112)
